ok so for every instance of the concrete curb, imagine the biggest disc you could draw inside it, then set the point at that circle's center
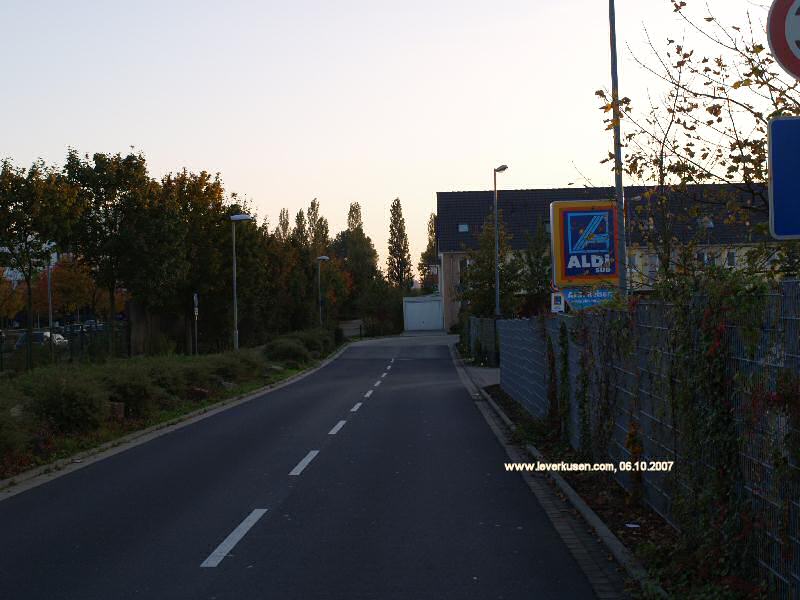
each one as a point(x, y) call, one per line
point(509, 423)
point(618, 550)
point(32, 478)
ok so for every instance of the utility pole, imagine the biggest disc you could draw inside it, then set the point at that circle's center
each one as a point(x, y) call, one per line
point(622, 262)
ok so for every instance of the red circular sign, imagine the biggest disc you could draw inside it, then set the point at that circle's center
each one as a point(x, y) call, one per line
point(783, 30)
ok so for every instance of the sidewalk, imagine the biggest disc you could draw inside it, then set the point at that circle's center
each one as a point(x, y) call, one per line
point(483, 377)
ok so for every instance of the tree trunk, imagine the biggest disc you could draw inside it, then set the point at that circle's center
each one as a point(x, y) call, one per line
point(29, 344)
point(111, 320)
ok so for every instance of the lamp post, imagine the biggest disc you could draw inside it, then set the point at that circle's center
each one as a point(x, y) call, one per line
point(320, 260)
point(234, 220)
point(50, 304)
point(499, 169)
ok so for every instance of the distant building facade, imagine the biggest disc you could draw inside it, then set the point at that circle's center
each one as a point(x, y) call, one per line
point(696, 213)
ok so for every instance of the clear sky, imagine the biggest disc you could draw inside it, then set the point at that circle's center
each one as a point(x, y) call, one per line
point(341, 100)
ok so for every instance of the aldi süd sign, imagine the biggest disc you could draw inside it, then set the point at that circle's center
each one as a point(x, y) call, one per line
point(584, 243)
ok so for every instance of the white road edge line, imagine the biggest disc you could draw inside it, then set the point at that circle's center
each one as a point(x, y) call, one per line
point(368, 394)
point(356, 407)
point(304, 463)
point(229, 542)
point(337, 428)
point(377, 383)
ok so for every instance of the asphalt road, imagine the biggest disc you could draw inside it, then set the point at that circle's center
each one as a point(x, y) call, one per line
point(406, 498)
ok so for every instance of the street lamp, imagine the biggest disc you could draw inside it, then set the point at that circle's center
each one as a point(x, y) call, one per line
point(499, 169)
point(234, 220)
point(320, 259)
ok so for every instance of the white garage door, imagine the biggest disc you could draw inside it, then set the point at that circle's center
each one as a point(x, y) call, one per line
point(423, 316)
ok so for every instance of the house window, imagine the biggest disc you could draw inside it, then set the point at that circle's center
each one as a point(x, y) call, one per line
point(652, 270)
point(731, 259)
point(463, 228)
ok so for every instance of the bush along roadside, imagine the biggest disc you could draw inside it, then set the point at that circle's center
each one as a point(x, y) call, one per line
point(55, 412)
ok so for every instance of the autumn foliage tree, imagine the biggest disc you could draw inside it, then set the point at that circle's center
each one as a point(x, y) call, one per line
point(125, 236)
point(720, 88)
point(37, 207)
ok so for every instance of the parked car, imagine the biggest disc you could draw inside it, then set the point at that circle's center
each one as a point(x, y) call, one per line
point(92, 325)
point(73, 328)
point(42, 338)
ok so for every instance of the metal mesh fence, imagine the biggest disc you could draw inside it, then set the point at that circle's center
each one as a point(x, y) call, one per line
point(70, 344)
point(639, 382)
point(483, 340)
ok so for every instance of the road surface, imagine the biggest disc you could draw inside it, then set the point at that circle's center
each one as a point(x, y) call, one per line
point(375, 477)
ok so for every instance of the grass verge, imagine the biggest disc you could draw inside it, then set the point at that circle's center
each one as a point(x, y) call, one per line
point(53, 413)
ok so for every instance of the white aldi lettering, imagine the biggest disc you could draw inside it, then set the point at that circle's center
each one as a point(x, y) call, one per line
point(598, 263)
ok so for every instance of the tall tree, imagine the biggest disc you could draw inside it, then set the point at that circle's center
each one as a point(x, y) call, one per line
point(37, 210)
point(282, 230)
point(155, 264)
point(318, 232)
point(427, 279)
point(399, 260)
point(109, 187)
point(478, 281)
point(359, 260)
point(536, 273)
point(354, 220)
point(11, 300)
point(206, 241)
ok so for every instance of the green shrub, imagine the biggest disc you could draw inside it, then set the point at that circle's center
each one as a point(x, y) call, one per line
point(170, 376)
point(318, 342)
point(132, 385)
point(287, 349)
point(238, 366)
point(14, 426)
point(67, 401)
point(199, 372)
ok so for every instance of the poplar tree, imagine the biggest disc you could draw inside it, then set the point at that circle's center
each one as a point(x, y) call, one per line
point(427, 279)
point(399, 261)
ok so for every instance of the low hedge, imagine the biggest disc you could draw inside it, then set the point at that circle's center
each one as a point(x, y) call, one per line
point(287, 349)
point(70, 406)
point(318, 342)
point(65, 403)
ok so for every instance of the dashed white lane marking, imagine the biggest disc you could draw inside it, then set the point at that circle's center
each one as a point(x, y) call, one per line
point(384, 375)
point(336, 428)
point(389, 368)
point(368, 394)
point(229, 542)
point(356, 407)
point(304, 463)
point(392, 360)
point(377, 383)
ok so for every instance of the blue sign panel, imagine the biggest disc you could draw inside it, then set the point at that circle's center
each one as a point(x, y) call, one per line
point(784, 178)
point(579, 299)
point(588, 247)
point(584, 243)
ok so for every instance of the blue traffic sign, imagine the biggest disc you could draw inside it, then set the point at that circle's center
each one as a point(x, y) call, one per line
point(784, 178)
